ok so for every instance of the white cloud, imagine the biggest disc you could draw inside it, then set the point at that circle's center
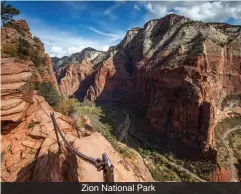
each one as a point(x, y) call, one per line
point(109, 10)
point(136, 7)
point(211, 11)
point(204, 11)
point(59, 42)
point(105, 48)
point(156, 10)
point(78, 6)
point(114, 37)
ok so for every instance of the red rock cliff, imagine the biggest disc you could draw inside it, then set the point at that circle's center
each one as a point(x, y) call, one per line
point(179, 70)
point(29, 149)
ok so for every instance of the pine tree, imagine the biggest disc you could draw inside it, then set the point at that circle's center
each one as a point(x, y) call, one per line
point(7, 12)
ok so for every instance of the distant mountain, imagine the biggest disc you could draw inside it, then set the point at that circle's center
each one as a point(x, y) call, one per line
point(87, 53)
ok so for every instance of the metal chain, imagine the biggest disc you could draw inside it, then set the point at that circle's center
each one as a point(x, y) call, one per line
point(97, 162)
point(101, 164)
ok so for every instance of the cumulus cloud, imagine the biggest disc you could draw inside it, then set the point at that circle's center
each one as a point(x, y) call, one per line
point(204, 11)
point(155, 10)
point(211, 11)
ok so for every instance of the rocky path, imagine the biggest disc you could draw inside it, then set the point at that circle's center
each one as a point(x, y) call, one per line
point(125, 126)
point(232, 158)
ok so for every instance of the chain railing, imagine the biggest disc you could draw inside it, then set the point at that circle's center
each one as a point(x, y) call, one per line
point(101, 164)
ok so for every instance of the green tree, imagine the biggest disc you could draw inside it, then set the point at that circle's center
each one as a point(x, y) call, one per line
point(7, 12)
point(50, 93)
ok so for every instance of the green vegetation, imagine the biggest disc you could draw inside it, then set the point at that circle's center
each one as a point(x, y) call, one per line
point(235, 144)
point(202, 167)
point(24, 49)
point(8, 12)
point(107, 131)
point(161, 170)
point(50, 93)
point(236, 98)
point(198, 165)
point(105, 126)
point(147, 144)
point(16, 27)
point(67, 106)
point(112, 118)
point(221, 128)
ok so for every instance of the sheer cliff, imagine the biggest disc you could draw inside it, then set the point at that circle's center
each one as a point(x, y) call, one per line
point(180, 71)
point(75, 73)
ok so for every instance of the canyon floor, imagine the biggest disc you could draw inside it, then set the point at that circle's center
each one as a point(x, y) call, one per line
point(121, 123)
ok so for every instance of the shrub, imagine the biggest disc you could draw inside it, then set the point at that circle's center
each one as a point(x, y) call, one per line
point(50, 93)
point(67, 105)
point(87, 102)
point(16, 27)
point(37, 58)
point(24, 49)
point(231, 98)
point(10, 50)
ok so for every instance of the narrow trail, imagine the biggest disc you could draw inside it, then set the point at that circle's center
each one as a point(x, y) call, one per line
point(232, 158)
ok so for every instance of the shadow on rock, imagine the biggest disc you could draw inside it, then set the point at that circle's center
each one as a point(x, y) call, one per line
point(52, 166)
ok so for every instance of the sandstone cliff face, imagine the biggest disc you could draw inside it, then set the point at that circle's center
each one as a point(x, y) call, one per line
point(21, 72)
point(179, 70)
point(29, 149)
point(17, 42)
point(75, 73)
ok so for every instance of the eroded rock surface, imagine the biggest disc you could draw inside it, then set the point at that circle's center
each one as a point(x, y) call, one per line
point(29, 149)
point(177, 69)
point(75, 73)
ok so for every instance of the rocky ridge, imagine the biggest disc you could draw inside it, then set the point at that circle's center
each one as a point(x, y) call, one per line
point(29, 149)
point(177, 69)
point(71, 71)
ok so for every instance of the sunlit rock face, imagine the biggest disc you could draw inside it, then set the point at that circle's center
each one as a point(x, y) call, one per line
point(74, 73)
point(29, 148)
point(20, 75)
point(177, 69)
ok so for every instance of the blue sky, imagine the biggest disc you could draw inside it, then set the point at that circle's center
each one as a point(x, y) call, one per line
point(67, 27)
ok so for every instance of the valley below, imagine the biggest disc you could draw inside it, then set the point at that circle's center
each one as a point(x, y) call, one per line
point(164, 104)
point(167, 161)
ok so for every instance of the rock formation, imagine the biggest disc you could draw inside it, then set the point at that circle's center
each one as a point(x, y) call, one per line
point(71, 71)
point(29, 148)
point(179, 70)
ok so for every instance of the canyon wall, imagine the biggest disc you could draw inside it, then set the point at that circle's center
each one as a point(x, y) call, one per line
point(179, 70)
